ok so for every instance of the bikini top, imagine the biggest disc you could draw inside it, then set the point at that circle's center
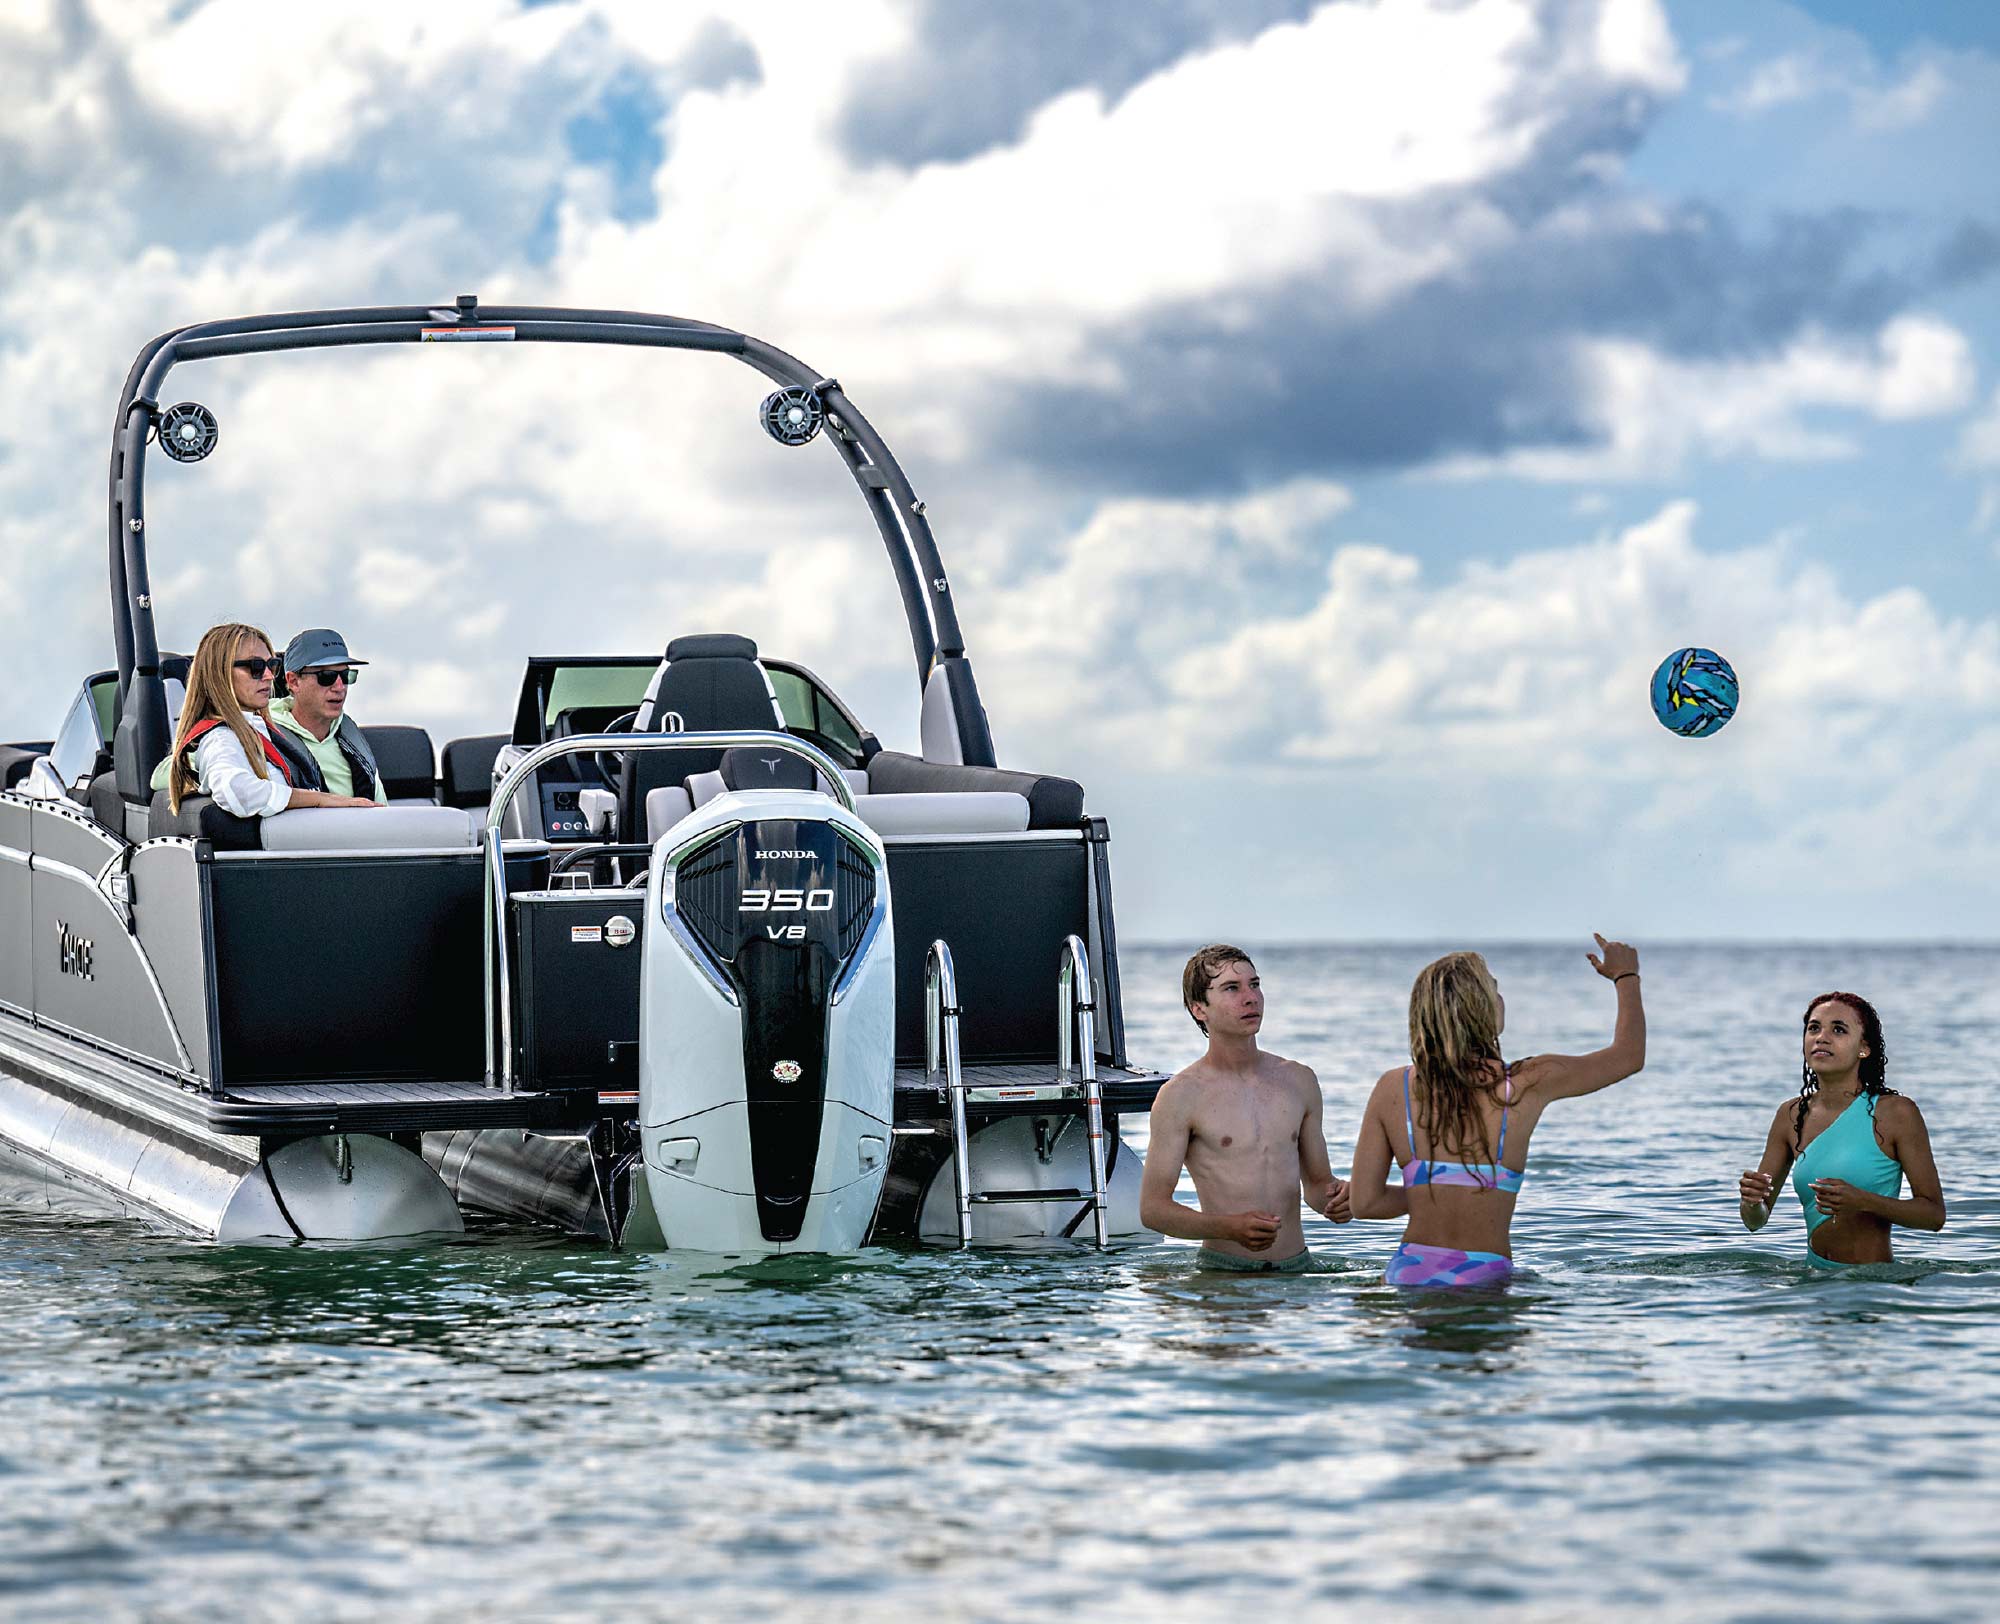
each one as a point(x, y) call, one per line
point(1504, 1179)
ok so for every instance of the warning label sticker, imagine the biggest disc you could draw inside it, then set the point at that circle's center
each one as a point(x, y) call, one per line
point(586, 933)
point(468, 335)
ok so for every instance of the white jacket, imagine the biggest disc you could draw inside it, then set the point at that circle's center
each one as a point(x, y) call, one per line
point(225, 773)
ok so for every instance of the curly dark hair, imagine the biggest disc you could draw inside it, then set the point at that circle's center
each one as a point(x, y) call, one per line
point(1874, 1064)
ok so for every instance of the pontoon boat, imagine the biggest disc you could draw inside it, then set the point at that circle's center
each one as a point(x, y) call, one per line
point(683, 958)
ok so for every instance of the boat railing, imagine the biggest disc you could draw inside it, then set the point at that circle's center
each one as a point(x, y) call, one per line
point(1076, 1010)
point(499, 989)
point(1076, 1018)
point(943, 1071)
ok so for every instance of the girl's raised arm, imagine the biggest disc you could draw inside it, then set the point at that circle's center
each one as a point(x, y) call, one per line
point(1563, 1076)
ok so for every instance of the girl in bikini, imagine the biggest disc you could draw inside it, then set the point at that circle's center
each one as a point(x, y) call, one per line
point(1458, 1098)
point(1849, 1140)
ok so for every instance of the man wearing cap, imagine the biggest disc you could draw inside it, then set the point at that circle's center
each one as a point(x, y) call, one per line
point(319, 673)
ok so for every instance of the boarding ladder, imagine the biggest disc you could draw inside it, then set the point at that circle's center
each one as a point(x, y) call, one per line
point(1076, 1035)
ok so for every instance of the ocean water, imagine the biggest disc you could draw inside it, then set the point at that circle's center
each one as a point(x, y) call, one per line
point(1664, 1415)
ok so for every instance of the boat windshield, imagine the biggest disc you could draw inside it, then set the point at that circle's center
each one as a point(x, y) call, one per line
point(810, 711)
point(592, 694)
point(597, 688)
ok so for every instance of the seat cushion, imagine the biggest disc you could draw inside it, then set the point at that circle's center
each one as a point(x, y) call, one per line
point(970, 812)
point(957, 812)
point(1053, 803)
point(665, 807)
point(199, 818)
point(387, 828)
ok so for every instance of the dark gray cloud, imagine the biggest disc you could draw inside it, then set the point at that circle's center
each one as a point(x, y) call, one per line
point(1466, 366)
point(1476, 364)
point(975, 73)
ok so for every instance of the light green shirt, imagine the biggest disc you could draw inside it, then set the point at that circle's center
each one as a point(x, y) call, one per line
point(333, 765)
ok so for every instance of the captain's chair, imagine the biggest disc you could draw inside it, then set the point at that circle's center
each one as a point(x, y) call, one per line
point(705, 683)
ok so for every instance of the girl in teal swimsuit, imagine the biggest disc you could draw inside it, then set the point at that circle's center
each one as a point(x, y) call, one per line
point(1459, 1098)
point(1848, 1140)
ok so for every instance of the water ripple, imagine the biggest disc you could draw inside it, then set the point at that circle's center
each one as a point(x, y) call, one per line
point(1661, 1413)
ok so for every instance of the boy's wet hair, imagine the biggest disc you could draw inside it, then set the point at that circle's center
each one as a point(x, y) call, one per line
point(1202, 970)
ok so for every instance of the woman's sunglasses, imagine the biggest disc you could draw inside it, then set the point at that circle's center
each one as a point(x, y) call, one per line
point(340, 673)
point(274, 664)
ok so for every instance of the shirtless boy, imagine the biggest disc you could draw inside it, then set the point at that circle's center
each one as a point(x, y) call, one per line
point(1246, 1125)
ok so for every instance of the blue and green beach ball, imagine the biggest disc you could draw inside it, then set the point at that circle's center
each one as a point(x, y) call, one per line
point(1694, 692)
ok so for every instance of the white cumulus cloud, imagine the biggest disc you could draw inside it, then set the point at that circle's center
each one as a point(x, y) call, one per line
point(1655, 412)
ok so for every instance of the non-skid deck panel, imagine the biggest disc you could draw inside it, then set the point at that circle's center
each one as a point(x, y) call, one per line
point(361, 1093)
point(1125, 1088)
point(389, 1108)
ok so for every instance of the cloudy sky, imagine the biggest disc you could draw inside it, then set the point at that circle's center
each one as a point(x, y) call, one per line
point(1330, 412)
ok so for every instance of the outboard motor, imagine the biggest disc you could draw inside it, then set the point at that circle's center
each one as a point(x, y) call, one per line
point(767, 1023)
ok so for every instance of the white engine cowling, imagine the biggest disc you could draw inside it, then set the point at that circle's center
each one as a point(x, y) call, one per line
point(766, 1030)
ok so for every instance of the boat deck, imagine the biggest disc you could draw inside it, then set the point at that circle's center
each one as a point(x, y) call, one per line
point(290, 1110)
point(1025, 1089)
point(378, 1107)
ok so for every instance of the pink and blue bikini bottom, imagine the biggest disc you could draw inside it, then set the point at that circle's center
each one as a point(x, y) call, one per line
point(1415, 1265)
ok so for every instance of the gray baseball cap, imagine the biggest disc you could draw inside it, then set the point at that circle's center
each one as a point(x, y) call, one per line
point(320, 646)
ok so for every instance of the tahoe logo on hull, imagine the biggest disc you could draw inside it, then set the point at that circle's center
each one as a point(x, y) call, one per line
point(73, 952)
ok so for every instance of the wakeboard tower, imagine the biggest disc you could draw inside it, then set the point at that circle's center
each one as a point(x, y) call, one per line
point(683, 958)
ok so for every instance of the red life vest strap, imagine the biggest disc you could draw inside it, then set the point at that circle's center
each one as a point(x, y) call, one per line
point(271, 752)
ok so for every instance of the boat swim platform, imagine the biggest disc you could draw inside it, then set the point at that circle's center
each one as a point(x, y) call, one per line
point(69, 1068)
point(401, 1107)
point(80, 1070)
point(1025, 1089)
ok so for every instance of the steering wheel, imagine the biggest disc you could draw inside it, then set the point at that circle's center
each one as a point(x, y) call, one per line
point(609, 765)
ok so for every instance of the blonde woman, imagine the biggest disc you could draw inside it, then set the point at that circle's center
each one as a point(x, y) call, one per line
point(222, 746)
point(1458, 1098)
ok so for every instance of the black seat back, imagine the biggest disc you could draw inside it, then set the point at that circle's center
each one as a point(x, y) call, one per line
point(766, 769)
point(468, 769)
point(409, 767)
point(706, 683)
point(106, 805)
point(16, 759)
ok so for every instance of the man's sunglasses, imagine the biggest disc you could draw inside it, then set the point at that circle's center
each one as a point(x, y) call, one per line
point(257, 668)
point(339, 673)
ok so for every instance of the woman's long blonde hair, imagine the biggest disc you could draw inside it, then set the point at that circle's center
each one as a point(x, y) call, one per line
point(1455, 1055)
point(211, 692)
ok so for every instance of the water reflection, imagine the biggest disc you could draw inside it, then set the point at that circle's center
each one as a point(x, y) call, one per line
point(514, 1424)
point(1483, 1326)
point(1227, 1317)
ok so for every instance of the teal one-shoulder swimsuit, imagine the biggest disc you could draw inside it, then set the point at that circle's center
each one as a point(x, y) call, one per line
point(1845, 1150)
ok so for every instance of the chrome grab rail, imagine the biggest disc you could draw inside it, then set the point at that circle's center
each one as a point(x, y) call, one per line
point(1077, 1008)
point(500, 1066)
point(1076, 1016)
point(941, 1013)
